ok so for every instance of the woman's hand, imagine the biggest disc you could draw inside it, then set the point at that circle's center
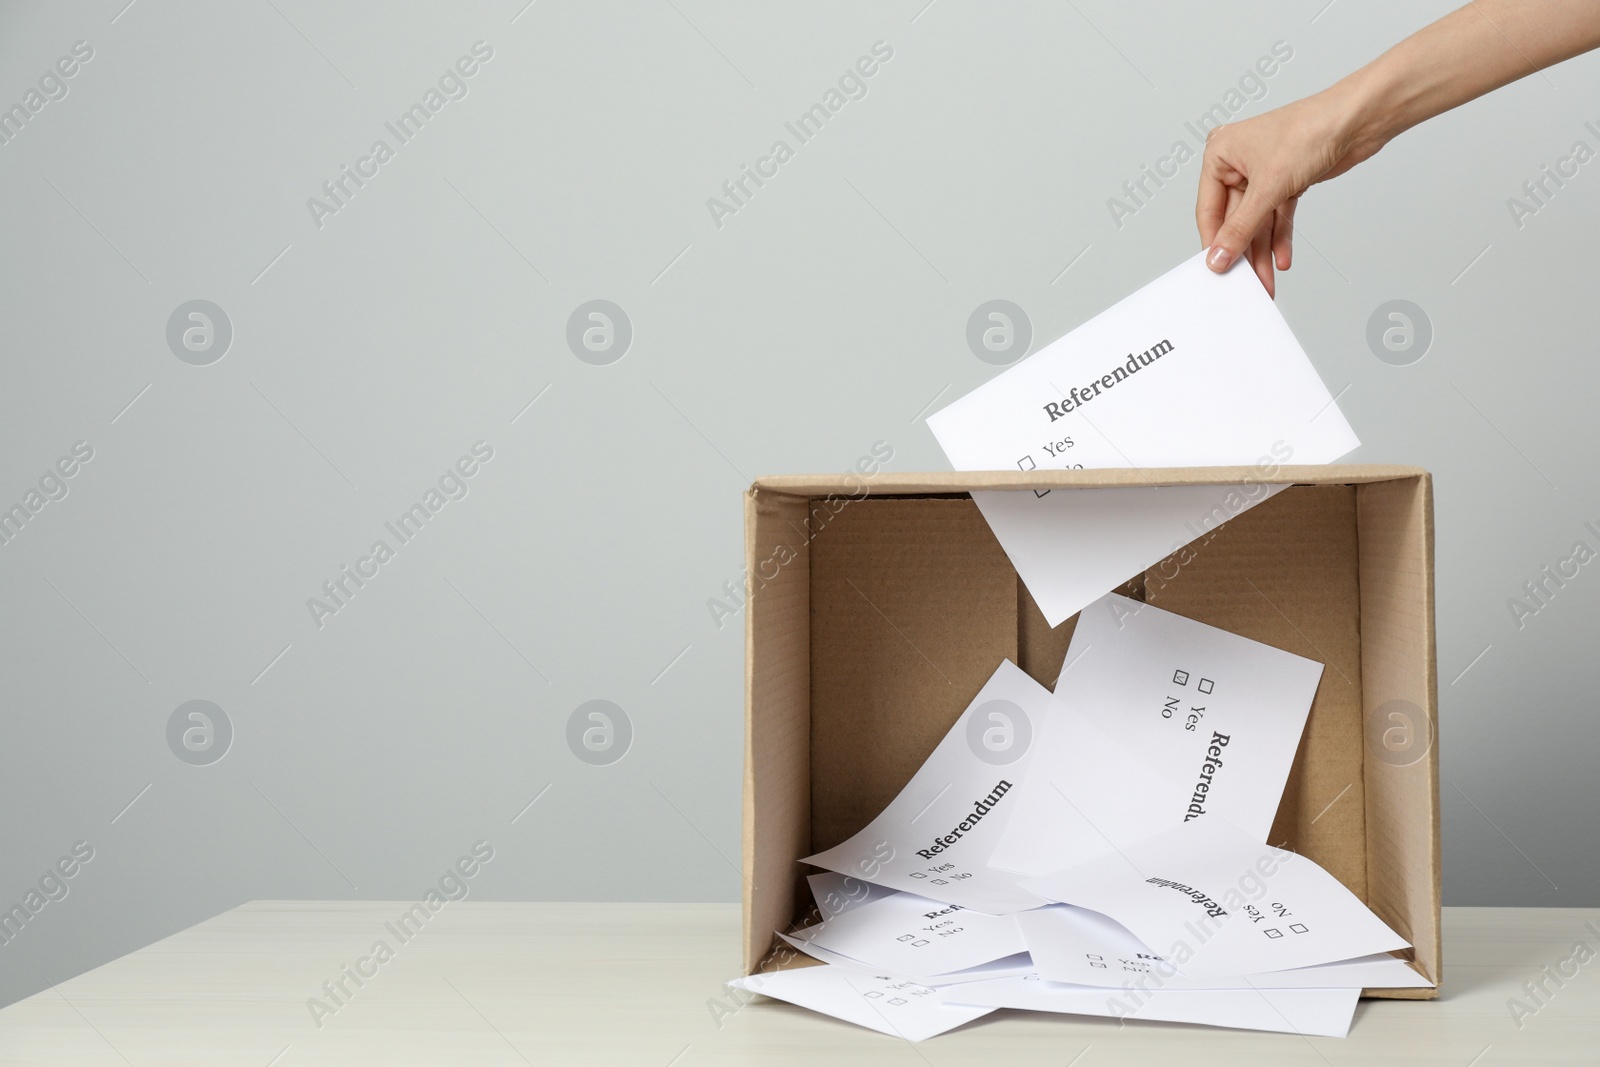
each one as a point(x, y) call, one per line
point(1255, 171)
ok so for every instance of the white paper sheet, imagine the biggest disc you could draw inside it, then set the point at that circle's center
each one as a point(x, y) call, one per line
point(1082, 947)
point(1163, 719)
point(912, 935)
point(1218, 379)
point(935, 837)
point(837, 893)
point(1084, 796)
point(1377, 971)
point(1313, 1012)
point(1006, 967)
point(1219, 904)
point(1070, 546)
point(886, 1003)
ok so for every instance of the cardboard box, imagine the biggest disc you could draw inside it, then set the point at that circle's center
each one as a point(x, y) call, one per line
point(879, 606)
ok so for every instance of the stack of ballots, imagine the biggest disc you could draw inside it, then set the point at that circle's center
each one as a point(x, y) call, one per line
point(1104, 848)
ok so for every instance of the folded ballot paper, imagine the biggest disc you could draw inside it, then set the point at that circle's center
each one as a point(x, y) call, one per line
point(1171, 720)
point(1098, 850)
point(935, 837)
point(1195, 369)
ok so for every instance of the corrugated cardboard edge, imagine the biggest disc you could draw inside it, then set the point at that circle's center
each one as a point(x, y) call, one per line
point(747, 822)
point(1432, 949)
point(1433, 754)
point(769, 522)
point(1121, 478)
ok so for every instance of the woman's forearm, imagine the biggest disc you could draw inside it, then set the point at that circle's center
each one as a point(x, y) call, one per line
point(1472, 51)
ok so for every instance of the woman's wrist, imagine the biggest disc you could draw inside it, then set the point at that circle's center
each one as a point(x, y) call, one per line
point(1367, 113)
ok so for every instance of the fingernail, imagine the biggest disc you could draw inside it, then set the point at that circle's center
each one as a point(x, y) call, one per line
point(1219, 258)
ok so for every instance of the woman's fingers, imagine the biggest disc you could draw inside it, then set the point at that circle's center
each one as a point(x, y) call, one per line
point(1211, 205)
point(1261, 254)
point(1245, 220)
point(1258, 248)
point(1283, 233)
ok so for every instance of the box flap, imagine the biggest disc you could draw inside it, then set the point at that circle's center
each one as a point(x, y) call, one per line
point(912, 484)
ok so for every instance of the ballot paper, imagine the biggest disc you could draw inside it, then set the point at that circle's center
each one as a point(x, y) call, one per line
point(1085, 796)
point(1195, 369)
point(1219, 904)
point(912, 935)
point(1099, 850)
point(890, 1004)
point(935, 837)
point(837, 893)
point(1313, 1012)
point(1162, 720)
point(1082, 947)
point(1005, 967)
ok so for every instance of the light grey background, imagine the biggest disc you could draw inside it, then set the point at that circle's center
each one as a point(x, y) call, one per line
point(371, 352)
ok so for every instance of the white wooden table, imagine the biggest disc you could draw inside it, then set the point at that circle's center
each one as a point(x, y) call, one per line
point(634, 984)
